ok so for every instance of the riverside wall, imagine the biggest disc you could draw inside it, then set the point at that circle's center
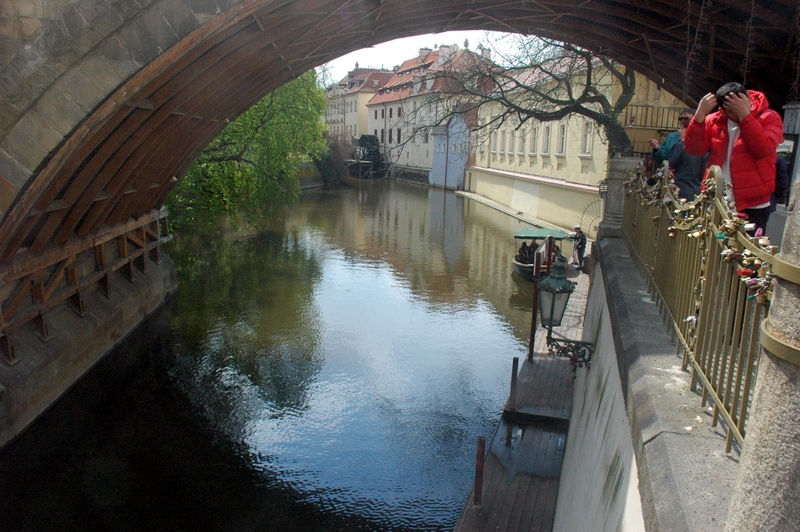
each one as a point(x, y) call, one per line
point(47, 369)
point(641, 453)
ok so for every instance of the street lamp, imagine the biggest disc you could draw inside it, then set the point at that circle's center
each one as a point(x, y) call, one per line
point(554, 292)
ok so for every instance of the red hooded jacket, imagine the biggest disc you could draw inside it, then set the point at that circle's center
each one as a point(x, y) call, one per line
point(754, 151)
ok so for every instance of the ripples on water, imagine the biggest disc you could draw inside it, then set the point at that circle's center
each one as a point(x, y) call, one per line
point(350, 358)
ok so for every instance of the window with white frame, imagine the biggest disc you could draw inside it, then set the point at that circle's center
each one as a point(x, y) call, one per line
point(561, 146)
point(534, 137)
point(546, 139)
point(503, 141)
point(586, 137)
point(521, 141)
point(494, 141)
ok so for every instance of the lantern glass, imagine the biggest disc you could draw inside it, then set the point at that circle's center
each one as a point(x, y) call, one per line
point(552, 306)
point(554, 292)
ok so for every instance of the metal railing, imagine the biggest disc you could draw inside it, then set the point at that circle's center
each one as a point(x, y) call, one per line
point(712, 283)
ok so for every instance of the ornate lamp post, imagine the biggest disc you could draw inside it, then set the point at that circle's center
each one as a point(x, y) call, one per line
point(554, 292)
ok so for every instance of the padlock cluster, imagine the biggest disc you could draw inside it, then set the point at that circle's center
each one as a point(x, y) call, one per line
point(694, 219)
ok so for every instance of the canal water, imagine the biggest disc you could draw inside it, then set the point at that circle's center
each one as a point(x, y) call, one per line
point(331, 372)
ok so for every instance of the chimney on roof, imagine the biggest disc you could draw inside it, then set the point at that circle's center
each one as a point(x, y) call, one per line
point(356, 64)
point(423, 53)
point(445, 51)
point(486, 53)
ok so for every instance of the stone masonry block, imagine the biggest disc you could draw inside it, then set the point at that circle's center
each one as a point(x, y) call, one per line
point(126, 9)
point(178, 16)
point(7, 194)
point(12, 170)
point(74, 23)
point(60, 110)
point(39, 131)
point(158, 28)
point(80, 88)
point(204, 7)
point(22, 8)
point(103, 18)
point(139, 43)
point(29, 28)
point(23, 145)
point(118, 58)
point(101, 74)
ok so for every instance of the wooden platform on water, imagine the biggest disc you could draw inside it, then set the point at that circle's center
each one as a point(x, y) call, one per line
point(522, 467)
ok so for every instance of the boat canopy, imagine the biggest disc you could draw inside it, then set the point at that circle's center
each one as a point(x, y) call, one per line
point(540, 233)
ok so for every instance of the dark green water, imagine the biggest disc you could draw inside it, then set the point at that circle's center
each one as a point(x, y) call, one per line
point(331, 373)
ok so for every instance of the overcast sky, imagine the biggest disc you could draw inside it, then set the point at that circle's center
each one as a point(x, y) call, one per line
point(393, 53)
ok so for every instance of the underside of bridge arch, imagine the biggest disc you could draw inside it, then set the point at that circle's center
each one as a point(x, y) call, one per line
point(103, 135)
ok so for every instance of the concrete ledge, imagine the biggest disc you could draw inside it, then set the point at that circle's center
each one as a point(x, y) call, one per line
point(685, 476)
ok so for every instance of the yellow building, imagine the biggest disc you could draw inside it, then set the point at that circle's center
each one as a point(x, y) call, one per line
point(346, 112)
point(550, 171)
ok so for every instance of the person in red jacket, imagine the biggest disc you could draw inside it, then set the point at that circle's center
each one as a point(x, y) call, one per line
point(741, 134)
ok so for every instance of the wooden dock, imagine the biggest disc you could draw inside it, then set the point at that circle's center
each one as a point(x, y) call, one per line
point(522, 466)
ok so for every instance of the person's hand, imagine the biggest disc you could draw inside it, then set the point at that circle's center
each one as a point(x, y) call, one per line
point(654, 144)
point(737, 106)
point(706, 106)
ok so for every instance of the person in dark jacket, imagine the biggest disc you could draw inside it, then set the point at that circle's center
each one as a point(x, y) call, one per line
point(781, 183)
point(687, 169)
point(740, 133)
point(661, 149)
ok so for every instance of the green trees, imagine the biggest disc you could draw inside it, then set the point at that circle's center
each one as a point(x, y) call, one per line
point(251, 168)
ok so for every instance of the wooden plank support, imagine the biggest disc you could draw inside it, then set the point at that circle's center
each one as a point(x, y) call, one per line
point(100, 256)
point(37, 293)
point(42, 327)
point(17, 296)
point(7, 351)
point(76, 299)
point(32, 263)
point(54, 278)
point(127, 269)
point(105, 284)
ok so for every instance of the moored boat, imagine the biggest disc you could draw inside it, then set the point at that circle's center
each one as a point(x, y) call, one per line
point(532, 258)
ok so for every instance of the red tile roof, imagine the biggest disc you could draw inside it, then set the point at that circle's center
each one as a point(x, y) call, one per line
point(399, 87)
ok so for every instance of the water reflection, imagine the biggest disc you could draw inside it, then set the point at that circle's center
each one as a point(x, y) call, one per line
point(350, 355)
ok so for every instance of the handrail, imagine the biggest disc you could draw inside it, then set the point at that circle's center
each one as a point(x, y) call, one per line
point(712, 282)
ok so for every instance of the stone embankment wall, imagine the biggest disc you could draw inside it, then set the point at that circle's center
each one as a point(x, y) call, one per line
point(641, 452)
point(599, 476)
point(45, 370)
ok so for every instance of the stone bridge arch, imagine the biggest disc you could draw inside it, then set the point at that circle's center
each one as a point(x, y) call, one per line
point(105, 102)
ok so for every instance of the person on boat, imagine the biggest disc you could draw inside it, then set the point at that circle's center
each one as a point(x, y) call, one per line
point(523, 256)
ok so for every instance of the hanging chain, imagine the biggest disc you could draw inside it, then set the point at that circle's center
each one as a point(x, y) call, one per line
point(749, 30)
point(794, 90)
point(691, 49)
